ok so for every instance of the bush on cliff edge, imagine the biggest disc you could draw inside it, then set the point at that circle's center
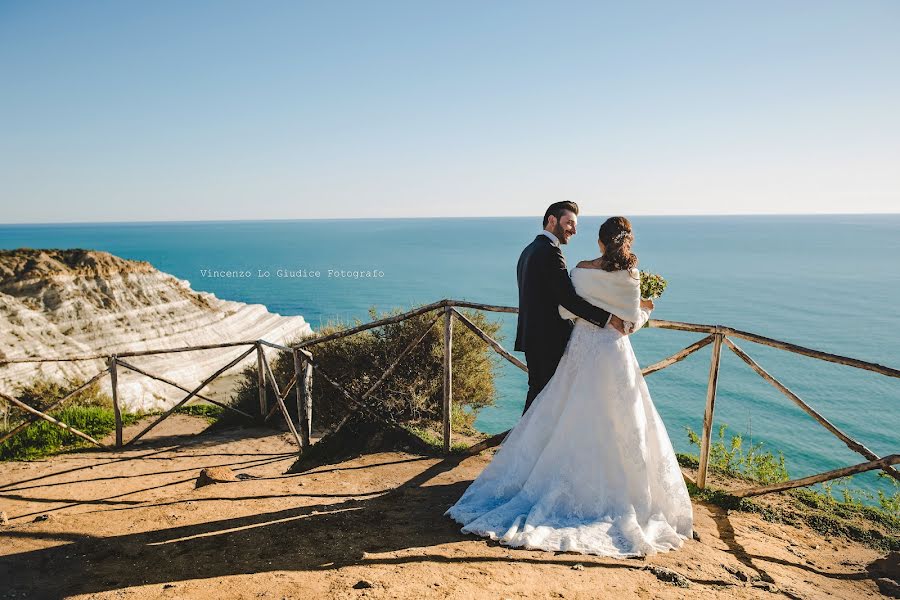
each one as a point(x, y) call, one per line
point(413, 392)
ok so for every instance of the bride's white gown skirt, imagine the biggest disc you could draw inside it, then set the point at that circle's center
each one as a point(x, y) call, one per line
point(589, 468)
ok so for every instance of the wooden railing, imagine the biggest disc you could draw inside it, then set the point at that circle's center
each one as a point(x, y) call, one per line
point(305, 365)
point(115, 362)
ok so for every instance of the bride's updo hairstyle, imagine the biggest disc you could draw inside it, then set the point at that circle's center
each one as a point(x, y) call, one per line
point(616, 235)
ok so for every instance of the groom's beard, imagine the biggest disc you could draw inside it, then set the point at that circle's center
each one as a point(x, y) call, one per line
point(560, 234)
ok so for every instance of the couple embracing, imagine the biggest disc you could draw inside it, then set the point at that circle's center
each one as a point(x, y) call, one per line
point(589, 467)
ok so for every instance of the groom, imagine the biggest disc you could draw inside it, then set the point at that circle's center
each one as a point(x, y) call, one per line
point(544, 284)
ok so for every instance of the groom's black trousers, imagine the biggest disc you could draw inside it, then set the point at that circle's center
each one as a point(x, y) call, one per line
point(542, 365)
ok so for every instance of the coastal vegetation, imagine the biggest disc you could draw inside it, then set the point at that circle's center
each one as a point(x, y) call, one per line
point(412, 395)
point(731, 457)
point(834, 508)
point(90, 411)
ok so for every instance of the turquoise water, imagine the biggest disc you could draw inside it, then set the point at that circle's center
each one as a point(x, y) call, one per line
point(827, 282)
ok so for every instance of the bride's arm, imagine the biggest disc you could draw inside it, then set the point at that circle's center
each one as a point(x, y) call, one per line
point(560, 285)
point(644, 306)
point(645, 316)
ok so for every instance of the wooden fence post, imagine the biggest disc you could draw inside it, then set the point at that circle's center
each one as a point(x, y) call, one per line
point(710, 407)
point(114, 384)
point(448, 375)
point(261, 381)
point(303, 373)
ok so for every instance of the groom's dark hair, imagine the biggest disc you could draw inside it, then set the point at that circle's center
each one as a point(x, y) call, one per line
point(558, 209)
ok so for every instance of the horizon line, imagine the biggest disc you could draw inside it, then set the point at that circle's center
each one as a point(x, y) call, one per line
point(536, 216)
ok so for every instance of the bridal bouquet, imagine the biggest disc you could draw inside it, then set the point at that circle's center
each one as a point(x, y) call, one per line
point(652, 285)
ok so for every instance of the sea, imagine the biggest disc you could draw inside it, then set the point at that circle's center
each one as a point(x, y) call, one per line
point(831, 283)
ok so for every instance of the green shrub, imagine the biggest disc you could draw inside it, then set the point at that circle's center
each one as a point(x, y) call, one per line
point(849, 496)
point(731, 458)
point(90, 411)
point(414, 390)
point(728, 457)
point(42, 392)
point(835, 510)
point(210, 412)
point(890, 502)
point(43, 438)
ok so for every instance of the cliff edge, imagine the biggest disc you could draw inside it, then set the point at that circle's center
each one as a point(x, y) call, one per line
point(64, 303)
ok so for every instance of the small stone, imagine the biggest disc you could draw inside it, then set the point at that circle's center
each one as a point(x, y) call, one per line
point(737, 573)
point(362, 584)
point(669, 576)
point(168, 586)
point(578, 567)
point(763, 585)
point(211, 475)
point(766, 577)
point(4, 520)
point(39, 518)
point(695, 535)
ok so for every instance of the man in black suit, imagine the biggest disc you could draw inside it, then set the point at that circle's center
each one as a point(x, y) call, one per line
point(544, 284)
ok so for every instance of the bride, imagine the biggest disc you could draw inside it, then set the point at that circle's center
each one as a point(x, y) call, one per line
point(589, 468)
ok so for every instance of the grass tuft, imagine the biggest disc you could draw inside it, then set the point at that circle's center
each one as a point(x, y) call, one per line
point(43, 439)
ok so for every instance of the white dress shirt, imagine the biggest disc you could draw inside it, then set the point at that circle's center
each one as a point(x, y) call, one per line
point(553, 239)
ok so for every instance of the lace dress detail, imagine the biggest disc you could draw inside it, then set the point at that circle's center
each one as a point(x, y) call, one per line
point(589, 468)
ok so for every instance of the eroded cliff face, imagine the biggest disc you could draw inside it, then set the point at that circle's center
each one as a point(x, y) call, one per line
point(65, 303)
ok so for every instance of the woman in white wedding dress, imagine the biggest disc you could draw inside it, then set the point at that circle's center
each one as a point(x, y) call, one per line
point(589, 468)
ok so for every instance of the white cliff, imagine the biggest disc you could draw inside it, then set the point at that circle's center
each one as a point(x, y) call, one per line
point(66, 303)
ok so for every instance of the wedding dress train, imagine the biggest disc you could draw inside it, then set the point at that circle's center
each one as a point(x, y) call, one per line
point(589, 468)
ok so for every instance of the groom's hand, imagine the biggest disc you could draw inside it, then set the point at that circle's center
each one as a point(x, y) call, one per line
point(618, 324)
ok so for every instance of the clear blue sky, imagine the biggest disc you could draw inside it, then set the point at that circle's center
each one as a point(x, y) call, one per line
point(169, 110)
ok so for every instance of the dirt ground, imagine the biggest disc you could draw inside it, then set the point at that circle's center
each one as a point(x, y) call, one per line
point(132, 525)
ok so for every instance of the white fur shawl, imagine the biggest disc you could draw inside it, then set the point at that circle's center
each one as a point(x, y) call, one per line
point(617, 292)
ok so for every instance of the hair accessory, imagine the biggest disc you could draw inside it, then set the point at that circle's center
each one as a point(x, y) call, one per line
point(620, 237)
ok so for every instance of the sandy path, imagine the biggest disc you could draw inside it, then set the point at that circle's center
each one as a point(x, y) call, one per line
point(131, 525)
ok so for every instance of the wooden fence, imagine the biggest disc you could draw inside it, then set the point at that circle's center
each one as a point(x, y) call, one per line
point(446, 310)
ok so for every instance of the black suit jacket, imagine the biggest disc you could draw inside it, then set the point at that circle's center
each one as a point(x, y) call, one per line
point(544, 284)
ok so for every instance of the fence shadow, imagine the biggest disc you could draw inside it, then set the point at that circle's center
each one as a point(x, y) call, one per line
point(310, 538)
